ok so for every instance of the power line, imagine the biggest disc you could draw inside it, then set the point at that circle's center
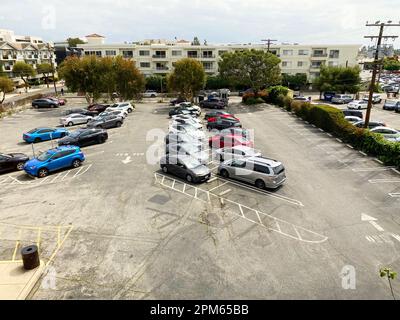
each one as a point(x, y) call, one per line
point(376, 61)
point(269, 42)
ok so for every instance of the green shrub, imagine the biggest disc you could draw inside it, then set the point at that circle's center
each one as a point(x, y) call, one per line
point(275, 91)
point(332, 120)
point(254, 100)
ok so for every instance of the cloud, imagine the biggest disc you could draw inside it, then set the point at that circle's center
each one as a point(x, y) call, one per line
point(239, 21)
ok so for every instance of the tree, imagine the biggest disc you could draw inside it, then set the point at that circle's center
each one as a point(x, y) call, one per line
point(338, 79)
point(24, 71)
point(187, 78)
point(156, 82)
point(130, 82)
point(73, 42)
point(294, 81)
point(217, 82)
point(195, 41)
point(94, 76)
point(46, 69)
point(82, 75)
point(390, 275)
point(254, 68)
point(6, 85)
point(391, 64)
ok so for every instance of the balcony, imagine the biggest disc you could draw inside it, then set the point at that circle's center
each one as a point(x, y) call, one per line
point(208, 57)
point(319, 55)
point(31, 56)
point(159, 56)
point(7, 68)
point(163, 68)
point(8, 57)
point(333, 56)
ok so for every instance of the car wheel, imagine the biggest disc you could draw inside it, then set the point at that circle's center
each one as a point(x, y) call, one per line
point(43, 173)
point(20, 166)
point(359, 108)
point(260, 184)
point(70, 124)
point(224, 173)
point(189, 178)
point(119, 123)
point(37, 140)
point(221, 158)
point(164, 169)
point(87, 121)
point(153, 96)
point(76, 163)
point(130, 110)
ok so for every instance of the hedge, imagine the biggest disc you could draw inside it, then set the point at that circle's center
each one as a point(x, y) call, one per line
point(332, 120)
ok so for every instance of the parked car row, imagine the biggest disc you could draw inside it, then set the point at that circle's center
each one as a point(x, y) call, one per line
point(230, 144)
point(68, 153)
point(48, 102)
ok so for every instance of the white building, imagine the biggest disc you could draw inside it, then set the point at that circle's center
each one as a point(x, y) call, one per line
point(159, 56)
point(32, 50)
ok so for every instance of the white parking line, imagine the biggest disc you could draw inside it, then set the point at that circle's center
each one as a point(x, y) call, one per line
point(218, 186)
point(372, 169)
point(350, 146)
point(56, 177)
point(363, 153)
point(395, 170)
point(377, 226)
point(370, 239)
point(379, 161)
point(396, 236)
point(337, 139)
point(43, 180)
point(383, 181)
point(395, 195)
point(212, 179)
point(225, 192)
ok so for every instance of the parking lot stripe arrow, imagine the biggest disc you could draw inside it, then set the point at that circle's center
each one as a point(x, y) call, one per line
point(127, 160)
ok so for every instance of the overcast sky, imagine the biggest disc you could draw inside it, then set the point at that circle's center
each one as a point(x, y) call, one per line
point(239, 21)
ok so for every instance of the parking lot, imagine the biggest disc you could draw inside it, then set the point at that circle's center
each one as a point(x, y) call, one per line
point(118, 227)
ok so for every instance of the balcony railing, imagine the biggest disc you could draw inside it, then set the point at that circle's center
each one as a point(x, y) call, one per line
point(161, 68)
point(334, 56)
point(9, 57)
point(159, 56)
point(208, 57)
point(7, 68)
point(194, 56)
point(319, 55)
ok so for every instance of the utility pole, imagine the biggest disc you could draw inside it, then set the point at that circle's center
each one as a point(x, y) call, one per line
point(376, 61)
point(269, 42)
point(52, 68)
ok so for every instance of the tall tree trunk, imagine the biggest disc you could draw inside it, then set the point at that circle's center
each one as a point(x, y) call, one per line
point(47, 80)
point(25, 83)
point(4, 97)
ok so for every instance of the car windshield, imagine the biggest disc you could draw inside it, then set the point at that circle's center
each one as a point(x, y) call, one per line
point(391, 102)
point(33, 130)
point(278, 169)
point(75, 134)
point(45, 156)
point(190, 162)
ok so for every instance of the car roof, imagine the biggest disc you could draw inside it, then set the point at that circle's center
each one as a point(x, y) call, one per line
point(265, 161)
point(241, 148)
point(382, 127)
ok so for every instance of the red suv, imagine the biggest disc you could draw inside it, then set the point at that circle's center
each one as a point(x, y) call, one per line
point(221, 141)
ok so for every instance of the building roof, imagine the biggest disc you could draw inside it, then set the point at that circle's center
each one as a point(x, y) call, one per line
point(94, 35)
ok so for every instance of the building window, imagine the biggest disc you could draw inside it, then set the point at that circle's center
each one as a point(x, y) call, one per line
point(111, 53)
point(316, 64)
point(286, 64)
point(144, 53)
point(160, 54)
point(319, 53)
point(207, 54)
point(176, 53)
point(287, 52)
point(303, 52)
point(127, 53)
point(145, 64)
point(334, 54)
point(192, 54)
point(301, 63)
point(208, 65)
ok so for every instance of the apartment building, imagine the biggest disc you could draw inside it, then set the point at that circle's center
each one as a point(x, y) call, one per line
point(160, 56)
point(30, 49)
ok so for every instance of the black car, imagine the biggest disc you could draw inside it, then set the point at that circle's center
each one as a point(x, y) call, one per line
point(12, 161)
point(45, 103)
point(223, 123)
point(106, 122)
point(81, 111)
point(182, 110)
point(216, 113)
point(98, 107)
point(177, 100)
point(354, 113)
point(84, 137)
point(213, 103)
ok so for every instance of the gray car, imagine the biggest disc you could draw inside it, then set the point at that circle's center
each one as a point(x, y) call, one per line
point(185, 167)
point(187, 149)
point(109, 121)
point(259, 171)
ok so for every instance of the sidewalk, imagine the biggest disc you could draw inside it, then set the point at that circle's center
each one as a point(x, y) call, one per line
point(15, 282)
point(13, 97)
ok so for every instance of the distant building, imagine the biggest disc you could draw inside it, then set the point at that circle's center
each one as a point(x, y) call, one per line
point(30, 49)
point(158, 56)
point(62, 50)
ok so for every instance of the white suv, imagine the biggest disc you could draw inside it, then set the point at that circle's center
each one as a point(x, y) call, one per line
point(124, 106)
point(150, 94)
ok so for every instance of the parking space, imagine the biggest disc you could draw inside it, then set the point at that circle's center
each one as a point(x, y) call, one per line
point(133, 224)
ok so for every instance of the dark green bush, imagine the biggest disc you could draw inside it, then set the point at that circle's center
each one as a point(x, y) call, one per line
point(253, 100)
point(332, 120)
point(275, 91)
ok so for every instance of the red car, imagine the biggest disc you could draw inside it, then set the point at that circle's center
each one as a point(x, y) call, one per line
point(221, 141)
point(228, 116)
point(98, 107)
point(61, 102)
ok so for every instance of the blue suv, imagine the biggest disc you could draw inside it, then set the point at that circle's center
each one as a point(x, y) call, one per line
point(43, 134)
point(54, 159)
